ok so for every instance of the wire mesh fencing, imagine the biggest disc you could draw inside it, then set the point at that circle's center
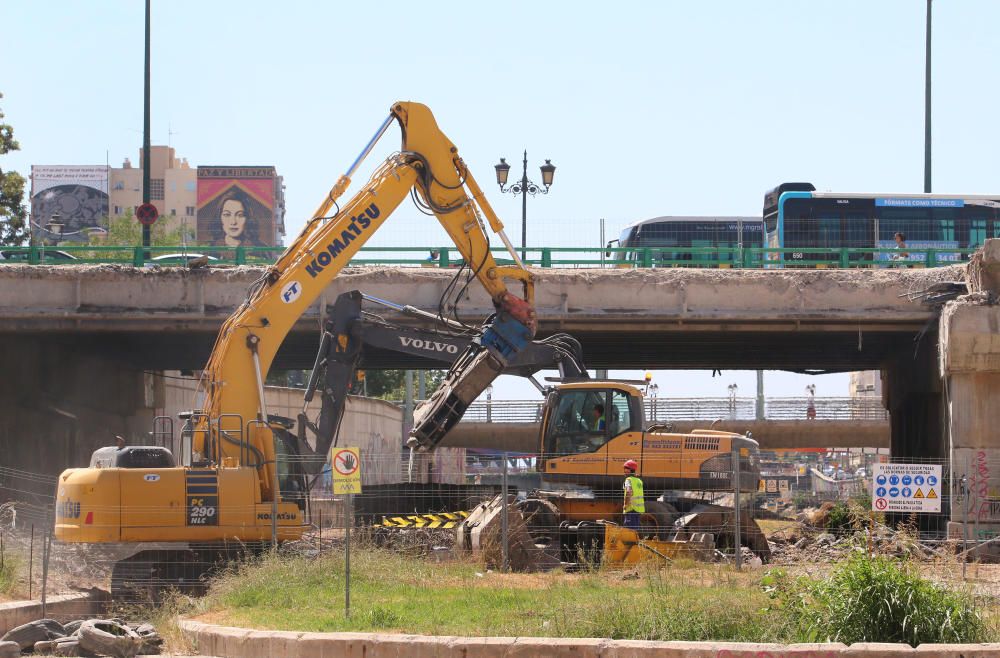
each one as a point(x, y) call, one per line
point(520, 512)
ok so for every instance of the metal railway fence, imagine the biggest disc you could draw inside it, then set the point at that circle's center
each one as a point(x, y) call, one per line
point(546, 257)
point(659, 409)
point(806, 524)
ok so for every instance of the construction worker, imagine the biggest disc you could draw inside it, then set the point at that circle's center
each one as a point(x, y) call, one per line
point(635, 504)
point(598, 418)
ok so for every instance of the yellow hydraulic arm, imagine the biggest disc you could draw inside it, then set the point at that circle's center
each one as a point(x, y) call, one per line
point(248, 341)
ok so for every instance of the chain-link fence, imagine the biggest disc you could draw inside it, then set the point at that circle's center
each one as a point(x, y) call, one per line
point(804, 511)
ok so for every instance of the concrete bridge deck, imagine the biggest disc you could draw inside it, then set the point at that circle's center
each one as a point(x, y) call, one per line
point(832, 320)
point(85, 343)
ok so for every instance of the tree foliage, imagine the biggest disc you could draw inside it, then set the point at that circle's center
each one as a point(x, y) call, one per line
point(126, 231)
point(13, 213)
point(391, 384)
point(384, 384)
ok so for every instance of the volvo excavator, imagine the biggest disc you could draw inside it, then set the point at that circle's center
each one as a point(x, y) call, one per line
point(226, 495)
point(577, 500)
point(350, 330)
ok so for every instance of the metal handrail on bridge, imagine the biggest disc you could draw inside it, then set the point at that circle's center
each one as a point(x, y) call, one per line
point(548, 257)
point(677, 409)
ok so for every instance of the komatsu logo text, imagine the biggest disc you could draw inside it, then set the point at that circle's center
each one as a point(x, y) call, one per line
point(359, 223)
point(429, 345)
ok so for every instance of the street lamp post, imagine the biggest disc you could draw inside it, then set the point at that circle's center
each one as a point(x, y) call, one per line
point(524, 187)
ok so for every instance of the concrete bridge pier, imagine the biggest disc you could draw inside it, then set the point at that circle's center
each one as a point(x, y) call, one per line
point(58, 402)
point(970, 368)
point(914, 398)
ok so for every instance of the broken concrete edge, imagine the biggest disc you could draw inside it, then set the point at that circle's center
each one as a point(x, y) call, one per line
point(62, 607)
point(232, 642)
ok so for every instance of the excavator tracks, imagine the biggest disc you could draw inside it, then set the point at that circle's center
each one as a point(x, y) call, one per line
point(149, 575)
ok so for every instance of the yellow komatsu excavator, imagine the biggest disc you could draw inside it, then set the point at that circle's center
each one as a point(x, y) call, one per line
point(227, 496)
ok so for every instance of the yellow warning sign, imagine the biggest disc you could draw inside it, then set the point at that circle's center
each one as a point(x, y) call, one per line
point(919, 494)
point(346, 464)
point(931, 494)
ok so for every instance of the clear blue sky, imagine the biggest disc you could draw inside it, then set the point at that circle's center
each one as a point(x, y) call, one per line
point(646, 108)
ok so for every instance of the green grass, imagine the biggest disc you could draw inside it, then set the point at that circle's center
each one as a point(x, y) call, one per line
point(9, 584)
point(397, 594)
point(863, 599)
point(878, 599)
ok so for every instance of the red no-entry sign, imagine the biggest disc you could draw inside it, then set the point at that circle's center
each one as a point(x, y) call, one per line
point(146, 214)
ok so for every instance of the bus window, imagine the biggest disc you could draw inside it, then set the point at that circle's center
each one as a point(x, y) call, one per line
point(977, 232)
point(943, 224)
point(828, 230)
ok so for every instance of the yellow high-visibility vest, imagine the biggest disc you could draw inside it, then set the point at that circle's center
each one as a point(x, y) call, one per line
point(638, 503)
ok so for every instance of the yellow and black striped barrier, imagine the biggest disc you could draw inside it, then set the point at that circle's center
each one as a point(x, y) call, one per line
point(444, 520)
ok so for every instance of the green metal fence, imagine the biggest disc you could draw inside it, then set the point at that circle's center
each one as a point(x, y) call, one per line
point(556, 257)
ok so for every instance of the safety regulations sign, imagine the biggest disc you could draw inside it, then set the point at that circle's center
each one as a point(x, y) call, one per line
point(346, 471)
point(906, 488)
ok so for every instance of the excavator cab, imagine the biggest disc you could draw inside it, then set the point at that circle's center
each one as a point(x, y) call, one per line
point(583, 418)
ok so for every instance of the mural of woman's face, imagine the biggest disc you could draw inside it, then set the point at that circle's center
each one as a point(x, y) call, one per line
point(234, 218)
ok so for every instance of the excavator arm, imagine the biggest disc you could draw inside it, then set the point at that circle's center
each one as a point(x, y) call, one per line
point(428, 164)
point(349, 331)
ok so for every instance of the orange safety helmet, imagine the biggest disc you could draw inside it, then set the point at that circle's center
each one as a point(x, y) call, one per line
point(631, 465)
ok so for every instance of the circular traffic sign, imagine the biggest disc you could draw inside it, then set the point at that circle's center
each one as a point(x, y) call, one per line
point(146, 214)
point(345, 462)
point(880, 503)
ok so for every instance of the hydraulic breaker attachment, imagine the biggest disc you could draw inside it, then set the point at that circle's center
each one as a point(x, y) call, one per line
point(503, 340)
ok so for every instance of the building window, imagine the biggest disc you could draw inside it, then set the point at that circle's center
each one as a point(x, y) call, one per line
point(118, 210)
point(190, 186)
point(156, 189)
point(120, 185)
point(189, 211)
point(173, 212)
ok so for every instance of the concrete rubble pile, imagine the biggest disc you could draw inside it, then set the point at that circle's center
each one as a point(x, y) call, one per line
point(85, 637)
point(809, 543)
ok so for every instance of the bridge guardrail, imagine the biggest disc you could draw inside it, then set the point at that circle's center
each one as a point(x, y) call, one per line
point(547, 257)
point(670, 409)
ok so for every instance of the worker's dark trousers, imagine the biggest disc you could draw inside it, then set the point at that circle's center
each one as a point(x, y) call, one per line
point(632, 520)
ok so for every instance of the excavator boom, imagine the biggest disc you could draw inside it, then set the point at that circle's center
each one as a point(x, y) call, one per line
point(427, 163)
